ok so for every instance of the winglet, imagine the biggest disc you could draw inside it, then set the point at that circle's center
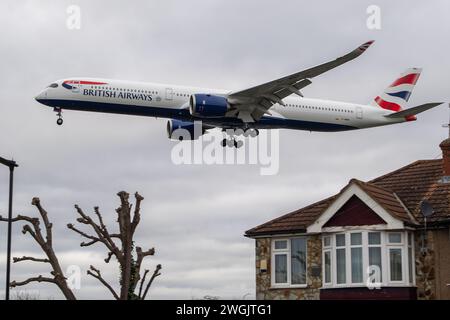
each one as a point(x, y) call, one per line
point(365, 46)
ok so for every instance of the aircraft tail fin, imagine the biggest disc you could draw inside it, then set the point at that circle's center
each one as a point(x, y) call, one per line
point(396, 96)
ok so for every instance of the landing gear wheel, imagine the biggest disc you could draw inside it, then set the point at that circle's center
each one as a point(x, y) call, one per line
point(59, 115)
point(224, 143)
point(251, 132)
point(254, 133)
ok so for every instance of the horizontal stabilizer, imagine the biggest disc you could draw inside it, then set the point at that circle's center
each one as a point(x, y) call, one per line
point(413, 111)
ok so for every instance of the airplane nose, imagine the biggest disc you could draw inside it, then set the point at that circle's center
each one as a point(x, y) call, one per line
point(41, 97)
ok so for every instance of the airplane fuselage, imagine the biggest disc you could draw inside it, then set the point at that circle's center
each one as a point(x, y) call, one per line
point(170, 101)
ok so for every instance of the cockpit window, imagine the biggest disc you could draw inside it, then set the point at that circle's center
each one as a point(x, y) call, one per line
point(53, 85)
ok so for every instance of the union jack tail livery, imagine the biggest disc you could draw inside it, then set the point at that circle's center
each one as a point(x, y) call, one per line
point(396, 96)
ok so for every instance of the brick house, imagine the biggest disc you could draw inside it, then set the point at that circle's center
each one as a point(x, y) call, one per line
point(369, 241)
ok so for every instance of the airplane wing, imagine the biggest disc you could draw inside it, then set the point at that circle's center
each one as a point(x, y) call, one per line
point(251, 104)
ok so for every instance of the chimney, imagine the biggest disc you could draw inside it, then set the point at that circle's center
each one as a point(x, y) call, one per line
point(445, 147)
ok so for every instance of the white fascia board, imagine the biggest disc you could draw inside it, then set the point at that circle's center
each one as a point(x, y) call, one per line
point(391, 222)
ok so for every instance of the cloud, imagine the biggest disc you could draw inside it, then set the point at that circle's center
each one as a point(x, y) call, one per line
point(195, 216)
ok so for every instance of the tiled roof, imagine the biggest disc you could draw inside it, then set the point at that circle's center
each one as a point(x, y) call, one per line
point(417, 182)
point(386, 199)
point(405, 187)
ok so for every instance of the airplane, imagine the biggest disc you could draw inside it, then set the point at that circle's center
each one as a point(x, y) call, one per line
point(276, 104)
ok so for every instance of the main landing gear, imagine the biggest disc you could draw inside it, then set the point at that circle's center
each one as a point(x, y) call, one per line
point(59, 114)
point(231, 140)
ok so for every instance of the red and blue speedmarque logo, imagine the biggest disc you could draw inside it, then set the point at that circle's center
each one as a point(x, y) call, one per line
point(70, 84)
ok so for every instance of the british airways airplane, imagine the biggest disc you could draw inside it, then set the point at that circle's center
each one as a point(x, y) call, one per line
point(266, 106)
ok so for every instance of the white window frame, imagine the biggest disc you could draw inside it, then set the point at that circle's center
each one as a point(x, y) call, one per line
point(334, 261)
point(327, 249)
point(385, 258)
point(380, 245)
point(350, 246)
point(413, 258)
point(288, 253)
point(400, 246)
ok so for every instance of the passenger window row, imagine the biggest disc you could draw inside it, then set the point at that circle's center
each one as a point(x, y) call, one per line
point(320, 108)
point(125, 90)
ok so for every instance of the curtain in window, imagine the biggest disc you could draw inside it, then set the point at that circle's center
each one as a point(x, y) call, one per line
point(298, 261)
point(280, 268)
point(357, 265)
point(340, 265)
point(375, 260)
point(395, 258)
point(327, 258)
point(410, 265)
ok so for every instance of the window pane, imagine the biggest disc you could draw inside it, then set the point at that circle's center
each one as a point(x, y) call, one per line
point(374, 238)
point(327, 267)
point(340, 240)
point(357, 265)
point(375, 260)
point(280, 244)
point(326, 241)
point(280, 268)
point(298, 261)
point(340, 265)
point(395, 237)
point(410, 265)
point(355, 239)
point(409, 238)
point(395, 258)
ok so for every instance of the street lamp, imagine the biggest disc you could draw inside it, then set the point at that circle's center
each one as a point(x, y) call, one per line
point(11, 165)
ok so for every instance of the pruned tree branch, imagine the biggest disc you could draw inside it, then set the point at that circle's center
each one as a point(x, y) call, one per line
point(25, 258)
point(119, 245)
point(155, 274)
point(96, 274)
point(102, 234)
point(146, 271)
point(108, 258)
point(130, 266)
point(35, 279)
point(46, 243)
point(48, 226)
point(137, 212)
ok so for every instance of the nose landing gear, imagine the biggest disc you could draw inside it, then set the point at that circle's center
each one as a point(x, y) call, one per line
point(59, 114)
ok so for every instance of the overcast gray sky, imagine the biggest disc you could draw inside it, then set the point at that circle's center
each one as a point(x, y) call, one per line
point(195, 216)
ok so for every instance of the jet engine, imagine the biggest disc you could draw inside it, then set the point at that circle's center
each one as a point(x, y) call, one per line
point(208, 106)
point(184, 130)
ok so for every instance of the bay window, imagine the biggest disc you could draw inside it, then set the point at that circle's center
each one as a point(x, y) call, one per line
point(289, 262)
point(349, 258)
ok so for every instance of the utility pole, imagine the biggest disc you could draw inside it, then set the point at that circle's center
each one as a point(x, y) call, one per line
point(11, 164)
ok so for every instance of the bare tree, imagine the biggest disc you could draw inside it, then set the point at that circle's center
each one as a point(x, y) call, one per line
point(46, 243)
point(121, 246)
point(129, 259)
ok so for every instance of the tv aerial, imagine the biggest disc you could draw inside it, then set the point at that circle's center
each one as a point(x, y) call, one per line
point(447, 125)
